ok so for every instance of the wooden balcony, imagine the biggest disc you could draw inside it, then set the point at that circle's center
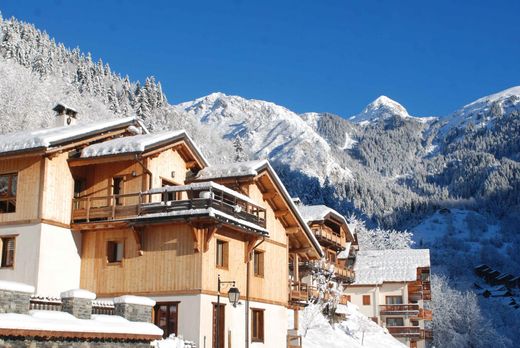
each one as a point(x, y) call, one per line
point(196, 199)
point(427, 334)
point(424, 314)
point(328, 238)
point(344, 274)
point(405, 331)
point(419, 290)
point(400, 309)
point(294, 341)
point(299, 293)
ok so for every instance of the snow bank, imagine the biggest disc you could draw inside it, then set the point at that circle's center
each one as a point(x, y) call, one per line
point(172, 342)
point(378, 266)
point(65, 322)
point(14, 286)
point(356, 331)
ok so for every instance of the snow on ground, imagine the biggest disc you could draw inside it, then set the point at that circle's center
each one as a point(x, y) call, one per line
point(349, 142)
point(348, 333)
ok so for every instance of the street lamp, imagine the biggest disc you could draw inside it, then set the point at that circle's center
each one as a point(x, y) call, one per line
point(233, 296)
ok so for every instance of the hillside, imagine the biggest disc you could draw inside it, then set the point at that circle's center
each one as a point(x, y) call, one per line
point(393, 169)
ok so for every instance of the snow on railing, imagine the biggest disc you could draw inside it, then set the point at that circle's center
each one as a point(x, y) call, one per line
point(45, 303)
point(103, 307)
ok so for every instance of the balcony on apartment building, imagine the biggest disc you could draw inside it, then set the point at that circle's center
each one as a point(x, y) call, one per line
point(299, 293)
point(206, 199)
point(328, 237)
point(400, 309)
point(406, 331)
point(419, 290)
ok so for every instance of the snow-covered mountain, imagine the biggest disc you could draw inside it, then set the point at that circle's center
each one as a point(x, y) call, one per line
point(383, 108)
point(268, 131)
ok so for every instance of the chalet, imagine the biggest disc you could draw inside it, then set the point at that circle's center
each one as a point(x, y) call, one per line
point(112, 209)
point(337, 242)
point(393, 288)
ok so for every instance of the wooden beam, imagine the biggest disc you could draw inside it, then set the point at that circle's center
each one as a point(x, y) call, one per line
point(280, 213)
point(269, 195)
point(191, 164)
point(137, 232)
point(249, 248)
point(197, 239)
point(211, 232)
point(300, 250)
point(292, 230)
point(78, 162)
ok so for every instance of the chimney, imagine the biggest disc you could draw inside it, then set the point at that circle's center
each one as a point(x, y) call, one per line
point(65, 116)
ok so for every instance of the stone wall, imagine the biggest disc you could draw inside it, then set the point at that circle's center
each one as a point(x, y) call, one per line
point(14, 301)
point(8, 342)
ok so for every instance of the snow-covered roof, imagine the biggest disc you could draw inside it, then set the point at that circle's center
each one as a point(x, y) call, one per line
point(252, 168)
point(50, 137)
point(374, 267)
point(319, 213)
point(132, 144)
point(56, 321)
point(231, 170)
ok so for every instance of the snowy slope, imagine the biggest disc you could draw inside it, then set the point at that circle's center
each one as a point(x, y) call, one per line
point(482, 112)
point(268, 131)
point(348, 333)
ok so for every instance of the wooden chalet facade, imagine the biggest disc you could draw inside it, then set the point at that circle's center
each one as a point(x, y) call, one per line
point(109, 208)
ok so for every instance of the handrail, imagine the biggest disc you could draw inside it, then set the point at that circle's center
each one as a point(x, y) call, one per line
point(398, 308)
point(119, 206)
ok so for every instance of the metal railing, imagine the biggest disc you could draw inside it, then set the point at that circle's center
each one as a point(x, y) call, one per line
point(194, 197)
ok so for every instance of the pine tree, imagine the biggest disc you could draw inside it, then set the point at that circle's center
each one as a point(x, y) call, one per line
point(240, 155)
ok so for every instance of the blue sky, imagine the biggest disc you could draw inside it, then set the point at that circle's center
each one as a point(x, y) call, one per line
point(320, 55)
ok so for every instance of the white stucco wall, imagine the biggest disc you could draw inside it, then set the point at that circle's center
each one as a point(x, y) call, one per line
point(60, 261)
point(27, 253)
point(196, 316)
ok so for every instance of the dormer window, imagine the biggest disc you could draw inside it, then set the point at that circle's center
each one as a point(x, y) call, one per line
point(8, 185)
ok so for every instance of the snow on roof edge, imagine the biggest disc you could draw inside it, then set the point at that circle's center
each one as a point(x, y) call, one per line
point(7, 285)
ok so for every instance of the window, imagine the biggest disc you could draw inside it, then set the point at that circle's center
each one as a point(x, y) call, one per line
point(394, 322)
point(170, 196)
point(115, 251)
point(117, 188)
point(425, 276)
point(222, 254)
point(394, 300)
point(366, 300)
point(8, 245)
point(8, 185)
point(332, 256)
point(258, 263)
point(257, 325)
point(166, 316)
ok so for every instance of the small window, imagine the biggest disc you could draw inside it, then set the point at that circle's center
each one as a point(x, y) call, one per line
point(8, 187)
point(425, 276)
point(118, 189)
point(332, 257)
point(222, 254)
point(366, 300)
point(258, 263)
point(8, 246)
point(390, 300)
point(257, 325)
point(394, 322)
point(115, 251)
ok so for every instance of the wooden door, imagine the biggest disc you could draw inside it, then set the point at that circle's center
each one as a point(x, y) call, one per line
point(221, 325)
point(166, 316)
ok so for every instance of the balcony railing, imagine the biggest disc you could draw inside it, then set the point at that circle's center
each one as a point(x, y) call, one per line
point(399, 309)
point(419, 290)
point(294, 341)
point(427, 334)
point(405, 331)
point(327, 237)
point(299, 292)
point(344, 273)
point(194, 199)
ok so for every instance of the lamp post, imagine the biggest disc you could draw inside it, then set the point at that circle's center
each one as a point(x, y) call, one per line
point(233, 295)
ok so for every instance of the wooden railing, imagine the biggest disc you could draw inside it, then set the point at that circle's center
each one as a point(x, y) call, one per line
point(102, 307)
point(195, 196)
point(420, 290)
point(427, 334)
point(327, 236)
point(299, 292)
point(294, 341)
point(399, 309)
point(425, 314)
point(405, 331)
point(344, 273)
